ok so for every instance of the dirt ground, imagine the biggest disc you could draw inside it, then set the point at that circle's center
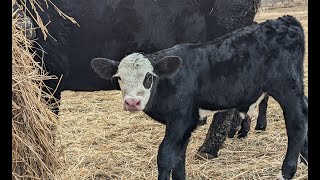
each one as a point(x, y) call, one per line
point(96, 139)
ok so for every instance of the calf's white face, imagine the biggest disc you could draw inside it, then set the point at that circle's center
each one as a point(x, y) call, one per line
point(136, 76)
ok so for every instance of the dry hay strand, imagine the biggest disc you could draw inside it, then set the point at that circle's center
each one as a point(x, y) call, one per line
point(33, 122)
point(99, 140)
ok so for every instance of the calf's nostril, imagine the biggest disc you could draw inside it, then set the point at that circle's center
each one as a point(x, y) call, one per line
point(138, 103)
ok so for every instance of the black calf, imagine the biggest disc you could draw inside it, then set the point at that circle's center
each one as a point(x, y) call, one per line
point(230, 72)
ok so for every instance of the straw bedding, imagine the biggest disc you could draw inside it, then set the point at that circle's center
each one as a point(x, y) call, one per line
point(96, 139)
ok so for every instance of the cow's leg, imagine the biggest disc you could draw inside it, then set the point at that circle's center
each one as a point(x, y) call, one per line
point(173, 147)
point(262, 121)
point(216, 135)
point(295, 112)
point(235, 124)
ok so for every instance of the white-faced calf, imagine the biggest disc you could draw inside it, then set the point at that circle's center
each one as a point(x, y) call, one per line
point(229, 72)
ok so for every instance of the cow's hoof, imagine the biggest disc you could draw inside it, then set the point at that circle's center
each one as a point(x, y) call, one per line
point(205, 155)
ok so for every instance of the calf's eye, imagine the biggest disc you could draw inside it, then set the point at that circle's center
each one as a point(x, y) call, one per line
point(115, 79)
point(140, 93)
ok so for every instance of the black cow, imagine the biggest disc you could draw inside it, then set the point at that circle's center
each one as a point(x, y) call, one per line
point(230, 72)
point(115, 28)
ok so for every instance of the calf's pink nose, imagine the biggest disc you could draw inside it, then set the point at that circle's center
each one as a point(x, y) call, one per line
point(133, 102)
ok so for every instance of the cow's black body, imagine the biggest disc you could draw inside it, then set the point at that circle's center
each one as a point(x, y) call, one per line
point(232, 72)
point(113, 28)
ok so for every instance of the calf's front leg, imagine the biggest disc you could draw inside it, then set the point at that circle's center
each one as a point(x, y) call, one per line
point(171, 154)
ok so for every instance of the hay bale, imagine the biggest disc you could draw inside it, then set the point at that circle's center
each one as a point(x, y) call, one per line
point(33, 122)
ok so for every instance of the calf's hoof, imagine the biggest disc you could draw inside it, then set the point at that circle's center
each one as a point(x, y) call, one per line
point(288, 169)
point(280, 176)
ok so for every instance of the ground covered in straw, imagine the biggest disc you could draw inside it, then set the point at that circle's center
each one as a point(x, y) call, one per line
point(96, 139)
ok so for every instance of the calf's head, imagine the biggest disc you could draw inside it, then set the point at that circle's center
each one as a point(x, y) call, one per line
point(136, 75)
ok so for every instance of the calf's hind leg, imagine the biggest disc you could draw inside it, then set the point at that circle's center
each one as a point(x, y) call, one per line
point(262, 102)
point(304, 149)
point(245, 127)
point(295, 114)
point(262, 121)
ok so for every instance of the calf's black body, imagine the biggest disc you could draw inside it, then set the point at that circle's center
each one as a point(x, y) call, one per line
point(232, 72)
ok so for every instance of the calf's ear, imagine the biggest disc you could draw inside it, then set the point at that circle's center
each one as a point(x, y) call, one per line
point(105, 68)
point(167, 66)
